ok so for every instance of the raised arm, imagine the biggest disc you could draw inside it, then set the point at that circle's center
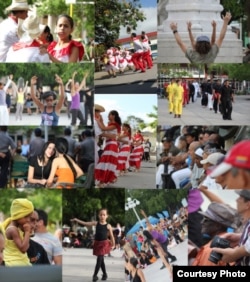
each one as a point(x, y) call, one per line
point(149, 225)
point(213, 36)
point(183, 47)
point(223, 31)
point(73, 93)
point(33, 81)
point(10, 77)
point(191, 37)
point(86, 223)
point(61, 94)
point(83, 83)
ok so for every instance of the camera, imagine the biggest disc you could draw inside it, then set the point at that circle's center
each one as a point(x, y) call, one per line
point(218, 242)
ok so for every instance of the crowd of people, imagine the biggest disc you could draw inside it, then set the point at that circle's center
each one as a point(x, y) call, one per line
point(117, 60)
point(57, 163)
point(77, 98)
point(117, 150)
point(188, 160)
point(143, 247)
point(23, 39)
point(215, 95)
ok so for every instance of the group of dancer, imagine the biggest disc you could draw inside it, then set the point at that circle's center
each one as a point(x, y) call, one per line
point(121, 152)
point(23, 39)
point(49, 103)
point(117, 60)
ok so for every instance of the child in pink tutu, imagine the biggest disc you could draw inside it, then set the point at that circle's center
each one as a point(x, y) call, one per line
point(102, 246)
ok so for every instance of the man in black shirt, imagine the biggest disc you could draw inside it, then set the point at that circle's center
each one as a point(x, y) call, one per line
point(226, 98)
point(216, 94)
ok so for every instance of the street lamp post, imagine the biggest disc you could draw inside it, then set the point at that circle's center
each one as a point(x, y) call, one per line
point(131, 204)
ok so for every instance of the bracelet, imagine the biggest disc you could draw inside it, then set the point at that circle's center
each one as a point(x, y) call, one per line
point(174, 31)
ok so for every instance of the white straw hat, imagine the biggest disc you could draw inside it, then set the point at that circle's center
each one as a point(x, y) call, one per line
point(18, 5)
point(30, 27)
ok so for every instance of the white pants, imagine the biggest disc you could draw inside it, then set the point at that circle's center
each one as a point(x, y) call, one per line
point(210, 102)
point(180, 175)
point(4, 115)
point(159, 172)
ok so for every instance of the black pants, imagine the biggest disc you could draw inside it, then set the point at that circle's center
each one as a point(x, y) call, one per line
point(76, 113)
point(165, 249)
point(227, 109)
point(4, 169)
point(215, 105)
point(89, 109)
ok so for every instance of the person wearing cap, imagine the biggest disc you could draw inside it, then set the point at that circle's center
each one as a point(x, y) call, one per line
point(217, 218)
point(208, 164)
point(203, 50)
point(236, 165)
point(225, 99)
point(17, 233)
point(50, 112)
point(8, 27)
point(27, 49)
point(240, 242)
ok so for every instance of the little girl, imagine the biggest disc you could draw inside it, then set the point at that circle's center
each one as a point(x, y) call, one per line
point(65, 49)
point(102, 245)
point(17, 233)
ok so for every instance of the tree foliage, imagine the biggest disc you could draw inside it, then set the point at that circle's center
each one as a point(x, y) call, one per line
point(46, 72)
point(50, 201)
point(110, 15)
point(153, 201)
point(84, 204)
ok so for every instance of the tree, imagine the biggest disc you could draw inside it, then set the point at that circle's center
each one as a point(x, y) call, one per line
point(135, 122)
point(154, 115)
point(111, 15)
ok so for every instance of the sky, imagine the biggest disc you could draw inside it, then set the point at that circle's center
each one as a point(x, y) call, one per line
point(138, 105)
point(149, 7)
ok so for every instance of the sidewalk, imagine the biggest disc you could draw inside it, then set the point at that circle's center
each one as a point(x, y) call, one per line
point(79, 264)
point(195, 114)
point(144, 179)
point(136, 82)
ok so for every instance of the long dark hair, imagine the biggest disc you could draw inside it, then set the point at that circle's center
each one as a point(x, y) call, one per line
point(117, 117)
point(41, 157)
point(62, 146)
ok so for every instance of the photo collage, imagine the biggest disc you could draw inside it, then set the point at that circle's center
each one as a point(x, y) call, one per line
point(124, 140)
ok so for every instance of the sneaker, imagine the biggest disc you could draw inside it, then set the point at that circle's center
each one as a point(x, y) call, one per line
point(95, 278)
point(104, 277)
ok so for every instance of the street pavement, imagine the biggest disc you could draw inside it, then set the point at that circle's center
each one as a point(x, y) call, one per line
point(128, 82)
point(195, 114)
point(144, 179)
point(78, 265)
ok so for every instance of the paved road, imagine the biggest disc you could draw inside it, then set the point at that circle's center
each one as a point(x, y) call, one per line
point(194, 114)
point(144, 179)
point(78, 265)
point(129, 82)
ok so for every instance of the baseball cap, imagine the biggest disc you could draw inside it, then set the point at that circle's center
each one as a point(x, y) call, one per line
point(244, 193)
point(221, 213)
point(238, 156)
point(212, 158)
point(199, 152)
point(202, 38)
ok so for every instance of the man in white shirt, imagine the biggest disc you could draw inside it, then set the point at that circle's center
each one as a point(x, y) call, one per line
point(8, 27)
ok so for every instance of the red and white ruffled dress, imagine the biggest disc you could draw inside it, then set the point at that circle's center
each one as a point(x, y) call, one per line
point(124, 151)
point(106, 168)
point(136, 154)
point(63, 54)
